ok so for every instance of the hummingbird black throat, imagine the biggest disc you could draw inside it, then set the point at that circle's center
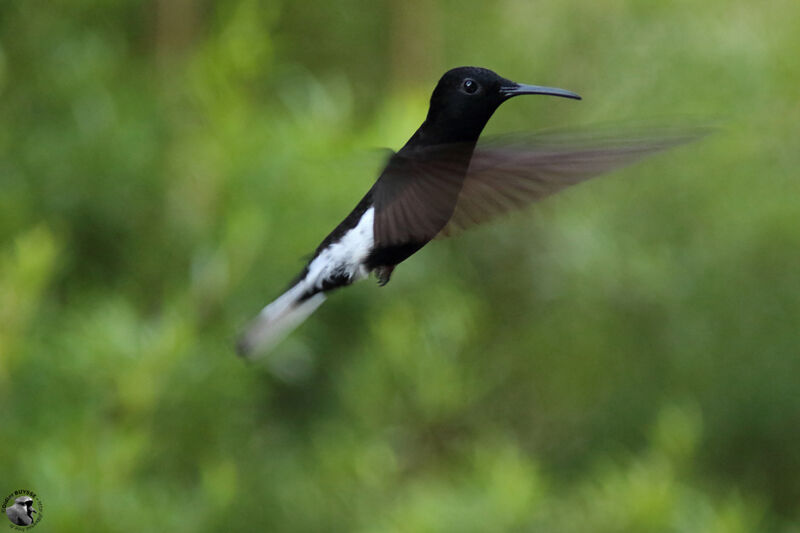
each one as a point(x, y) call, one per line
point(440, 182)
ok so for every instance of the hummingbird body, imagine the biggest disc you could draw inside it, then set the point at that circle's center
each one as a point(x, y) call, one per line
point(439, 183)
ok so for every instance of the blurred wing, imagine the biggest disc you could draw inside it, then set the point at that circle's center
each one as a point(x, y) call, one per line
point(416, 195)
point(509, 173)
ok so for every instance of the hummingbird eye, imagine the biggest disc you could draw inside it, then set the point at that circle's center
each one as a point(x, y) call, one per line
point(470, 86)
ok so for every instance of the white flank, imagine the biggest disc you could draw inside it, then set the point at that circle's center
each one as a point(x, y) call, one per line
point(346, 256)
point(279, 318)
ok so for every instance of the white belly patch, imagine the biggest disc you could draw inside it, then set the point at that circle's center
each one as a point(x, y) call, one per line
point(346, 256)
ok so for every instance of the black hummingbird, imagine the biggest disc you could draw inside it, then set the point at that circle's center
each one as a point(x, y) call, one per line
point(442, 181)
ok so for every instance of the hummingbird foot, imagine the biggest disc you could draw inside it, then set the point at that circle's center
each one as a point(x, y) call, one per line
point(384, 273)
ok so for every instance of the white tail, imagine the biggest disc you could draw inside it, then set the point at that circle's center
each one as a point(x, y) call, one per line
point(277, 320)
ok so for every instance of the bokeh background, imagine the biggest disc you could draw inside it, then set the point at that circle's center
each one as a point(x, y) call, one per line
point(623, 358)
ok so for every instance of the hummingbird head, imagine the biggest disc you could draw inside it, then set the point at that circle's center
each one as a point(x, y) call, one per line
point(466, 97)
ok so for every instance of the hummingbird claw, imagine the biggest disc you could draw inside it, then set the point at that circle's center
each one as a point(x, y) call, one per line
point(384, 273)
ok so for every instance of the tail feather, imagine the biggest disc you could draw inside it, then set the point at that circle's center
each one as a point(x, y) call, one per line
point(277, 320)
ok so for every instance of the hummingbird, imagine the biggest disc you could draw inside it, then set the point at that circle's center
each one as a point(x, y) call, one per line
point(441, 182)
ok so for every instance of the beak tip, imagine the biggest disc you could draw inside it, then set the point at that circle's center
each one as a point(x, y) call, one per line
point(520, 89)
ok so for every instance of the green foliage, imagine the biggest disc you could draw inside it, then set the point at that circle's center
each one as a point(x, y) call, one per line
point(623, 359)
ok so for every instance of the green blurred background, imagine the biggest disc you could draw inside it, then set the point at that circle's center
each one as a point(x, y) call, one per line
point(624, 357)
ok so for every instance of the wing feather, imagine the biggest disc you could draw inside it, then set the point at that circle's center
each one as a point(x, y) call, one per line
point(511, 172)
point(443, 190)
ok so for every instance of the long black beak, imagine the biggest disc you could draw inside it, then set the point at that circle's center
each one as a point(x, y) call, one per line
point(518, 88)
